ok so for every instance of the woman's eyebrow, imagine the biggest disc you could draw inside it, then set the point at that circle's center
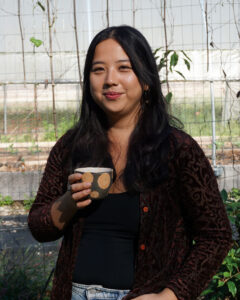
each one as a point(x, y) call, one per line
point(97, 62)
point(102, 62)
point(123, 60)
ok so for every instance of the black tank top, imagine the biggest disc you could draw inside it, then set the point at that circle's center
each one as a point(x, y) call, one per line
point(106, 253)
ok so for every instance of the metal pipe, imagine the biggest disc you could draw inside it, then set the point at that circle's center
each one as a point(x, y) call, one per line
point(57, 81)
point(89, 21)
point(213, 125)
point(217, 170)
point(5, 107)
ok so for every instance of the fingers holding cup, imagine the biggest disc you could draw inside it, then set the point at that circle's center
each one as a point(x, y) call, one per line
point(79, 190)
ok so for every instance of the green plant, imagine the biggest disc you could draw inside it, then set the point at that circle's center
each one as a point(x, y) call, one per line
point(63, 125)
point(226, 283)
point(197, 118)
point(219, 144)
point(27, 203)
point(26, 138)
point(169, 60)
point(24, 272)
point(36, 42)
point(232, 204)
point(12, 150)
point(6, 200)
point(236, 144)
point(34, 148)
point(235, 194)
point(4, 139)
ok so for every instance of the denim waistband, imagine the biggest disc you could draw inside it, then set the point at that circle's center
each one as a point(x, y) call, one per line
point(96, 287)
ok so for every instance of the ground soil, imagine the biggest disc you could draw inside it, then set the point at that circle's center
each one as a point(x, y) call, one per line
point(11, 210)
point(23, 161)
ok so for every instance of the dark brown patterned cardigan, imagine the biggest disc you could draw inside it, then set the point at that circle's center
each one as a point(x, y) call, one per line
point(185, 208)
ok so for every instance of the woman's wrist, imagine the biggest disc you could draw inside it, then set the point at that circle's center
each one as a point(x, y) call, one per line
point(63, 210)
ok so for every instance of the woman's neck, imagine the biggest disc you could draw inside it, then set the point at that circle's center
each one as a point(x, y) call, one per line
point(123, 123)
point(120, 131)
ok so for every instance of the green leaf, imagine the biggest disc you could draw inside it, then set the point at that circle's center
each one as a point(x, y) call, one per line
point(162, 63)
point(237, 276)
point(7, 198)
point(231, 252)
point(173, 60)
point(36, 42)
point(167, 52)
point(235, 265)
point(220, 283)
point(214, 297)
point(226, 274)
point(230, 267)
point(168, 97)
point(156, 50)
point(232, 288)
point(206, 292)
point(232, 219)
point(187, 64)
point(163, 60)
point(40, 4)
point(184, 53)
point(228, 260)
point(224, 195)
point(180, 74)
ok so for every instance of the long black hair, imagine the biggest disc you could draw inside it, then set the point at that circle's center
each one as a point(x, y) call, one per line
point(148, 147)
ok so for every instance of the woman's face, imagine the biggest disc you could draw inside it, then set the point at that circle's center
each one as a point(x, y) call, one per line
point(113, 84)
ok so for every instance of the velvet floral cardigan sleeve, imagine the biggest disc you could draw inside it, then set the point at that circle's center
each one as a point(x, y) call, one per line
point(53, 185)
point(185, 208)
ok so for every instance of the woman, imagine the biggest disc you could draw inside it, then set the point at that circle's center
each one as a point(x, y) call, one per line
point(162, 232)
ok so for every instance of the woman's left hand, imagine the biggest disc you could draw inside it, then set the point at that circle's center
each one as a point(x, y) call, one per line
point(166, 294)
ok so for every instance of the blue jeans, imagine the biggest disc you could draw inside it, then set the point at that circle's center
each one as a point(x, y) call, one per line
point(95, 292)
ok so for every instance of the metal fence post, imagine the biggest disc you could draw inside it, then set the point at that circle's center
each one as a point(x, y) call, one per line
point(5, 107)
point(217, 170)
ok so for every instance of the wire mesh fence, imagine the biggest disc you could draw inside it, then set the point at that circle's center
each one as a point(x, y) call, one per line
point(42, 52)
point(42, 55)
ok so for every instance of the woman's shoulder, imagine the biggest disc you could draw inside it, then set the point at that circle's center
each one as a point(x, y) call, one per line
point(65, 140)
point(181, 138)
point(62, 147)
point(182, 144)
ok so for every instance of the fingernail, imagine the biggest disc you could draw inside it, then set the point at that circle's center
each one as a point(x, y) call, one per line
point(88, 184)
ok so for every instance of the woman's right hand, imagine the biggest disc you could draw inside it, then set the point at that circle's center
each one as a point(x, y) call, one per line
point(79, 190)
point(76, 197)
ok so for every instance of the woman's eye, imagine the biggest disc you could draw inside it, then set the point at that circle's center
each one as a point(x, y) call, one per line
point(125, 67)
point(97, 69)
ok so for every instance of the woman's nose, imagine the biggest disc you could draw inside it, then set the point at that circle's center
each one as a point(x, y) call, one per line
point(111, 77)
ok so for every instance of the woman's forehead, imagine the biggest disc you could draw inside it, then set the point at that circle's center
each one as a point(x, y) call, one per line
point(109, 50)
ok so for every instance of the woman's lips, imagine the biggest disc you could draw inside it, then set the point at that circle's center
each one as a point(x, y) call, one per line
point(112, 95)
